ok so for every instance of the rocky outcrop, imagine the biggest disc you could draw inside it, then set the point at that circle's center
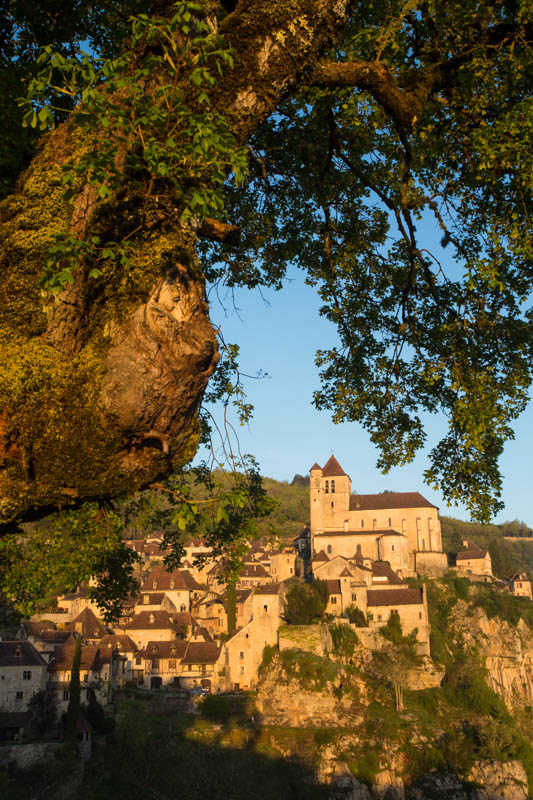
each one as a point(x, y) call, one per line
point(499, 780)
point(507, 652)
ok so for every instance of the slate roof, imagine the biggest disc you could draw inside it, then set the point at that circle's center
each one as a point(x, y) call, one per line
point(201, 653)
point(118, 641)
point(382, 569)
point(172, 649)
point(145, 620)
point(254, 571)
point(268, 588)
point(180, 578)
point(92, 657)
point(394, 597)
point(332, 468)
point(471, 554)
point(384, 500)
point(20, 654)
point(37, 628)
point(91, 627)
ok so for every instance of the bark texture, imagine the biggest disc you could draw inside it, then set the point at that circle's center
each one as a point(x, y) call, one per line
point(99, 388)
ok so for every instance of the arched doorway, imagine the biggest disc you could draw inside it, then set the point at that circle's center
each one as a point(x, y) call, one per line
point(156, 682)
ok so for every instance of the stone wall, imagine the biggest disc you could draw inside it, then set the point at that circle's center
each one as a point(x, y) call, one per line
point(25, 756)
point(431, 563)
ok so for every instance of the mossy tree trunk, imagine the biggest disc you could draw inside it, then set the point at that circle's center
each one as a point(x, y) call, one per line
point(100, 387)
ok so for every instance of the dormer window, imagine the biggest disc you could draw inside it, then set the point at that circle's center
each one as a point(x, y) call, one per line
point(327, 487)
point(152, 619)
point(332, 487)
point(154, 584)
point(172, 584)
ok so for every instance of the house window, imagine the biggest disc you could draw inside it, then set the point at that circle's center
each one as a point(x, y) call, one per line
point(86, 677)
point(172, 584)
point(332, 504)
point(172, 663)
point(332, 487)
point(65, 694)
point(138, 661)
point(20, 695)
point(204, 668)
point(26, 675)
point(333, 600)
point(154, 584)
point(419, 615)
point(390, 522)
point(392, 548)
point(155, 663)
point(362, 523)
point(183, 607)
point(374, 524)
point(327, 487)
point(242, 670)
point(354, 597)
point(241, 655)
point(265, 608)
point(189, 667)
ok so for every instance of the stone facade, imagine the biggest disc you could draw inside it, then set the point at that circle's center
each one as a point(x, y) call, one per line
point(392, 526)
point(22, 674)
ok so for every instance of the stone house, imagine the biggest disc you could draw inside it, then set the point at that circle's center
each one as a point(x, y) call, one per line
point(520, 585)
point(22, 674)
point(153, 601)
point(474, 561)
point(334, 606)
point(244, 606)
point(179, 586)
point(252, 575)
point(182, 664)
point(242, 655)
point(391, 526)
point(409, 604)
point(282, 564)
point(150, 626)
point(211, 613)
point(101, 670)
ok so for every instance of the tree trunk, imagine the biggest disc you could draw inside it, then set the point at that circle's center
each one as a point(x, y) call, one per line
point(99, 388)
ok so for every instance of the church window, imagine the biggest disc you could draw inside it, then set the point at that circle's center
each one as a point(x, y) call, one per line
point(374, 524)
point(403, 525)
point(327, 487)
point(332, 487)
point(392, 548)
point(419, 615)
point(332, 503)
point(362, 523)
point(390, 522)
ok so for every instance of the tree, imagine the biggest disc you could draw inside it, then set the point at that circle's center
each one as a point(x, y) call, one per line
point(219, 141)
point(355, 616)
point(73, 709)
point(306, 602)
point(43, 709)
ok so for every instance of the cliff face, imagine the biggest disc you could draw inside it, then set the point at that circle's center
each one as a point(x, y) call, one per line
point(445, 743)
point(507, 652)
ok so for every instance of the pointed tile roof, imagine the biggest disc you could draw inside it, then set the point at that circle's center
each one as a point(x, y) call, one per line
point(332, 468)
point(88, 625)
point(321, 556)
point(315, 466)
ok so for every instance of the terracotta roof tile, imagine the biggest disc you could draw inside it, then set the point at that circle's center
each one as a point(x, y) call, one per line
point(382, 569)
point(384, 500)
point(332, 468)
point(315, 466)
point(201, 653)
point(321, 556)
point(176, 579)
point(173, 649)
point(268, 588)
point(471, 555)
point(87, 624)
point(334, 586)
point(394, 597)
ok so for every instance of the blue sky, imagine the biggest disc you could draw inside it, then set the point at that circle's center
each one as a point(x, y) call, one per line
point(287, 434)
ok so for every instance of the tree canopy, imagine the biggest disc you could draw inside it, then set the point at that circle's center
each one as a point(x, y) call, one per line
point(220, 142)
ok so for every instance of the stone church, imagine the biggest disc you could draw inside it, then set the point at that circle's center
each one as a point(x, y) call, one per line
point(402, 528)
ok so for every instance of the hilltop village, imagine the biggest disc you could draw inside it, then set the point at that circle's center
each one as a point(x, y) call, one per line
point(178, 631)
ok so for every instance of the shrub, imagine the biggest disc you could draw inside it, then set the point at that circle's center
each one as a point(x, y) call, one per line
point(311, 671)
point(306, 602)
point(268, 654)
point(355, 616)
point(344, 640)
